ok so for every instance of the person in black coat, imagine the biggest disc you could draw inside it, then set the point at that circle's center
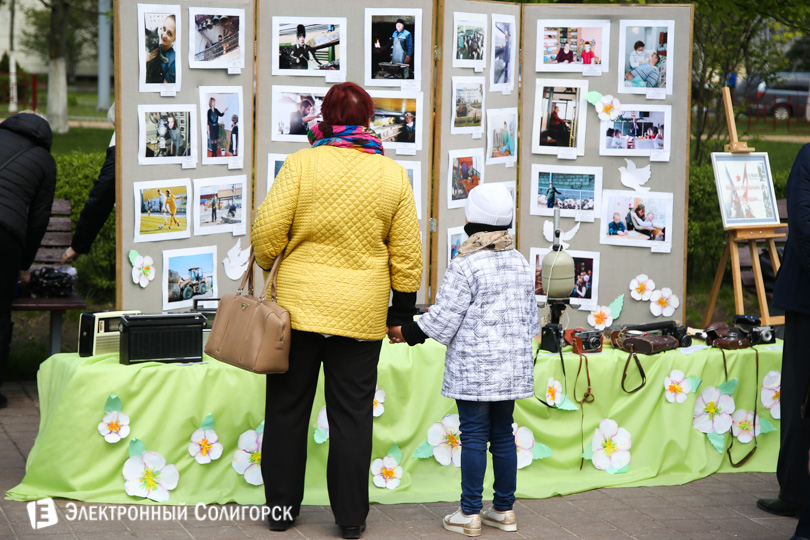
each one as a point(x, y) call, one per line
point(27, 184)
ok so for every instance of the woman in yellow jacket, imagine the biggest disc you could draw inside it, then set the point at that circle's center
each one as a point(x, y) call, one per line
point(344, 216)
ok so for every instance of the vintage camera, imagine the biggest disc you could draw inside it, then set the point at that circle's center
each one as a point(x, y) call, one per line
point(756, 334)
point(666, 328)
point(585, 341)
point(551, 337)
point(679, 333)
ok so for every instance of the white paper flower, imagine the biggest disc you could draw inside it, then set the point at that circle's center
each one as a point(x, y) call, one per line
point(608, 108)
point(387, 472)
point(379, 399)
point(114, 426)
point(772, 393)
point(143, 270)
point(445, 438)
point(676, 387)
point(611, 446)
point(323, 421)
point(248, 459)
point(744, 425)
point(600, 317)
point(713, 411)
point(554, 395)
point(642, 287)
point(663, 302)
point(148, 476)
point(204, 446)
point(524, 440)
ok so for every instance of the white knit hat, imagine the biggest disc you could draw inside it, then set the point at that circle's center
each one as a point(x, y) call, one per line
point(489, 204)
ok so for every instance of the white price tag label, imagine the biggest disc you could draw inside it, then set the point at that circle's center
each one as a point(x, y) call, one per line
point(656, 93)
point(479, 66)
point(168, 90)
point(591, 70)
point(239, 229)
point(773, 348)
point(406, 151)
point(234, 70)
point(333, 76)
point(587, 307)
point(189, 163)
point(506, 91)
point(584, 215)
point(235, 163)
point(409, 85)
point(478, 135)
point(659, 155)
point(661, 247)
point(510, 163)
point(567, 153)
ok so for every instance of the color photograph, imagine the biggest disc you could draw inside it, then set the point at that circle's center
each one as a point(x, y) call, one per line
point(637, 131)
point(221, 107)
point(745, 189)
point(559, 116)
point(295, 110)
point(414, 169)
point(645, 56)
point(571, 189)
point(166, 134)
point(216, 38)
point(162, 210)
point(502, 141)
point(635, 219)
point(159, 40)
point(585, 289)
point(397, 118)
point(455, 237)
point(465, 171)
point(219, 204)
point(567, 45)
point(393, 46)
point(274, 164)
point(470, 40)
point(468, 110)
point(189, 274)
point(503, 61)
point(309, 46)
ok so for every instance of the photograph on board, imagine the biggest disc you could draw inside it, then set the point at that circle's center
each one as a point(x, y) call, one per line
point(559, 116)
point(586, 275)
point(468, 100)
point(645, 56)
point(274, 164)
point(745, 189)
point(469, 40)
point(216, 38)
point(393, 46)
point(568, 45)
point(219, 204)
point(161, 209)
point(455, 237)
point(221, 108)
point(635, 219)
point(465, 170)
point(159, 40)
point(637, 131)
point(414, 169)
point(397, 118)
point(295, 110)
point(568, 188)
point(502, 132)
point(167, 134)
point(309, 46)
point(189, 274)
point(503, 62)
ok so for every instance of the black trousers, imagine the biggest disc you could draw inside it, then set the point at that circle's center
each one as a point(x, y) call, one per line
point(9, 272)
point(350, 371)
point(791, 470)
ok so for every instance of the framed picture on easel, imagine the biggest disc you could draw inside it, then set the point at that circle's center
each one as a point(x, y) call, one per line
point(745, 189)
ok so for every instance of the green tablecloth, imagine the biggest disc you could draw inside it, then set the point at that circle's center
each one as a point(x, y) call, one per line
point(166, 403)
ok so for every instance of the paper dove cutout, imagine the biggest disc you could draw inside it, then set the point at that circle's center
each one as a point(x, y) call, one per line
point(237, 261)
point(548, 232)
point(634, 177)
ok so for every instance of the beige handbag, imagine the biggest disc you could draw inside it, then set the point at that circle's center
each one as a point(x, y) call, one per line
point(252, 333)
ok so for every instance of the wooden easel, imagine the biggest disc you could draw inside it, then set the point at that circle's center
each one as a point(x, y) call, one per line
point(750, 234)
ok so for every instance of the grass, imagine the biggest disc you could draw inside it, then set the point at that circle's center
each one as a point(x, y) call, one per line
point(80, 104)
point(781, 155)
point(85, 139)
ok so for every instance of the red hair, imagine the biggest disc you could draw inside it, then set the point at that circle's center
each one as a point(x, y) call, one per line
point(347, 104)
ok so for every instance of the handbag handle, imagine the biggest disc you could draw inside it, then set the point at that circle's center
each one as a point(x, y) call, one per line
point(247, 278)
point(271, 279)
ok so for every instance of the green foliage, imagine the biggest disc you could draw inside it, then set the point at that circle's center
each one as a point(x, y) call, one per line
point(799, 54)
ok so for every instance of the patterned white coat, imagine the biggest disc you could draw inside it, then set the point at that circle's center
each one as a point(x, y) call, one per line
point(486, 315)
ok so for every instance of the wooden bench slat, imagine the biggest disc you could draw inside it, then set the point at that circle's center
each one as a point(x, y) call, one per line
point(56, 239)
point(49, 255)
point(60, 207)
point(48, 304)
point(60, 224)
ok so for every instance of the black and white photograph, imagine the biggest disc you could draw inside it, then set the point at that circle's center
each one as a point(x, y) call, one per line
point(216, 38)
point(309, 46)
point(637, 131)
point(502, 139)
point(414, 169)
point(468, 105)
point(571, 45)
point(559, 116)
point(586, 275)
point(503, 60)
point(393, 46)
point(220, 204)
point(469, 40)
point(636, 219)
point(189, 274)
point(646, 49)
point(274, 164)
point(295, 110)
point(465, 170)
point(222, 109)
point(571, 189)
point(397, 118)
point(159, 46)
point(167, 134)
point(162, 210)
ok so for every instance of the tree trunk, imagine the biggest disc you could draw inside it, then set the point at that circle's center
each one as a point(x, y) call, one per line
point(57, 68)
point(12, 63)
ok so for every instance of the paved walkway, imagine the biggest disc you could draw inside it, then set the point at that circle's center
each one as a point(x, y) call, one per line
point(719, 507)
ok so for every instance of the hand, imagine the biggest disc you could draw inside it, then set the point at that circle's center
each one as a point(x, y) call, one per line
point(394, 334)
point(407, 59)
point(152, 55)
point(70, 255)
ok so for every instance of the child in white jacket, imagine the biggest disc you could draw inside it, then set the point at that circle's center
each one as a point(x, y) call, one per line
point(486, 315)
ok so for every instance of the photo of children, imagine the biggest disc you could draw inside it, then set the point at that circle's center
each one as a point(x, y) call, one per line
point(465, 171)
point(568, 45)
point(570, 189)
point(295, 110)
point(455, 237)
point(161, 210)
point(645, 55)
point(559, 119)
point(217, 39)
point(159, 42)
point(745, 189)
point(309, 46)
point(504, 53)
point(637, 131)
point(468, 93)
point(586, 276)
point(221, 108)
point(469, 45)
point(166, 134)
point(189, 274)
point(634, 219)
point(393, 46)
point(219, 204)
point(395, 118)
point(502, 135)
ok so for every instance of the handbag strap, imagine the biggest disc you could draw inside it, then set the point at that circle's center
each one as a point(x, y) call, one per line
point(247, 278)
point(754, 428)
point(271, 279)
point(640, 370)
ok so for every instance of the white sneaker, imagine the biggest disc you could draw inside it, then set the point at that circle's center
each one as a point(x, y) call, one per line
point(505, 521)
point(467, 525)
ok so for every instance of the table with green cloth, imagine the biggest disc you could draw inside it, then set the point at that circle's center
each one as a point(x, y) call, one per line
point(165, 404)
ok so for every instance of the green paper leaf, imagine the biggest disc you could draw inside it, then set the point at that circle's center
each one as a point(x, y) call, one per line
point(136, 448)
point(208, 423)
point(424, 451)
point(567, 405)
point(619, 471)
point(717, 440)
point(765, 425)
point(132, 256)
point(695, 382)
point(113, 404)
point(395, 453)
point(593, 97)
point(616, 307)
point(540, 451)
point(260, 429)
point(321, 435)
point(588, 453)
point(728, 387)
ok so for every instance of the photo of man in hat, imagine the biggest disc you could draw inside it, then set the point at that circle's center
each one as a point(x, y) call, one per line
point(300, 52)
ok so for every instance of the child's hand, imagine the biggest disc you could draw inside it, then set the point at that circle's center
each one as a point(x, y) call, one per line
point(394, 334)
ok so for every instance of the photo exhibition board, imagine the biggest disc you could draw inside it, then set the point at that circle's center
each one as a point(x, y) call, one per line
point(566, 143)
point(352, 41)
point(478, 136)
point(164, 142)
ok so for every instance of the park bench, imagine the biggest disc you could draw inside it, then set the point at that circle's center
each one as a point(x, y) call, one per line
point(54, 243)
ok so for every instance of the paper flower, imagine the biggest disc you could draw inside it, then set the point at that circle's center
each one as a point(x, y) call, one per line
point(713, 411)
point(554, 394)
point(608, 108)
point(600, 317)
point(247, 460)
point(642, 287)
point(772, 393)
point(379, 399)
point(114, 426)
point(663, 302)
point(148, 476)
point(676, 386)
point(387, 472)
point(445, 438)
point(610, 445)
point(143, 270)
point(524, 440)
point(745, 425)
point(204, 446)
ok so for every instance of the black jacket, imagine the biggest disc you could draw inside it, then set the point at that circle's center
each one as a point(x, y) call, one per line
point(28, 182)
point(791, 292)
point(99, 204)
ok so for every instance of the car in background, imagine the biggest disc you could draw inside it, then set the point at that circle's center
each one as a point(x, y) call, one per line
point(785, 96)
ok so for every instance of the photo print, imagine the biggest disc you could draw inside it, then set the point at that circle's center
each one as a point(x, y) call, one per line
point(295, 110)
point(189, 274)
point(414, 169)
point(161, 210)
point(216, 38)
point(167, 134)
point(645, 56)
point(220, 204)
point(470, 43)
point(309, 46)
point(567, 45)
point(397, 118)
point(159, 39)
point(502, 143)
point(393, 45)
point(274, 164)
point(570, 189)
point(636, 219)
point(465, 170)
point(221, 108)
point(455, 237)
point(468, 95)
point(585, 289)
point(511, 187)
point(745, 189)
point(503, 62)
point(637, 131)
point(559, 116)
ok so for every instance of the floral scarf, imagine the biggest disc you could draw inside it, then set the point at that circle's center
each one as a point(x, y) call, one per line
point(494, 240)
point(358, 137)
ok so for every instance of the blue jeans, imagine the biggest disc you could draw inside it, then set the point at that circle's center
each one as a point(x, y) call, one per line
point(482, 422)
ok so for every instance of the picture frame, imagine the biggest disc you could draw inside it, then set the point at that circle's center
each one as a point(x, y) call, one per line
point(588, 43)
point(154, 219)
point(188, 274)
point(581, 189)
point(560, 114)
point(216, 38)
point(414, 169)
point(229, 143)
point(274, 164)
point(392, 111)
point(469, 40)
point(639, 130)
point(289, 120)
point(167, 134)
point(309, 46)
point(745, 189)
point(503, 56)
point(638, 41)
point(585, 290)
point(502, 136)
point(469, 96)
point(221, 205)
point(465, 170)
point(650, 229)
point(165, 71)
point(455, 237)
point(381, 63)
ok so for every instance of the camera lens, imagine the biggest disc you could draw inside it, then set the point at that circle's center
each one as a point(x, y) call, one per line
point(591, 343)
point(765, 335)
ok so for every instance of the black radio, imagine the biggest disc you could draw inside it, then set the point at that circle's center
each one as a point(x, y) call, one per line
point(161, 337)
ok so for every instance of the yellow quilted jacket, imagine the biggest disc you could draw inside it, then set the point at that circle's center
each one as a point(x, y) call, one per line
point(338, 212)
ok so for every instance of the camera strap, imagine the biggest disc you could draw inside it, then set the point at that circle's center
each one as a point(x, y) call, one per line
point(565, 379)
point(640, 370)
point(756, 398)
point(587, 397)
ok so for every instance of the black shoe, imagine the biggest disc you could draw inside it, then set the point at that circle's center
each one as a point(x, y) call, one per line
point(352, 531)
point(779, 507)
point(280, 524)
point(3, 401)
